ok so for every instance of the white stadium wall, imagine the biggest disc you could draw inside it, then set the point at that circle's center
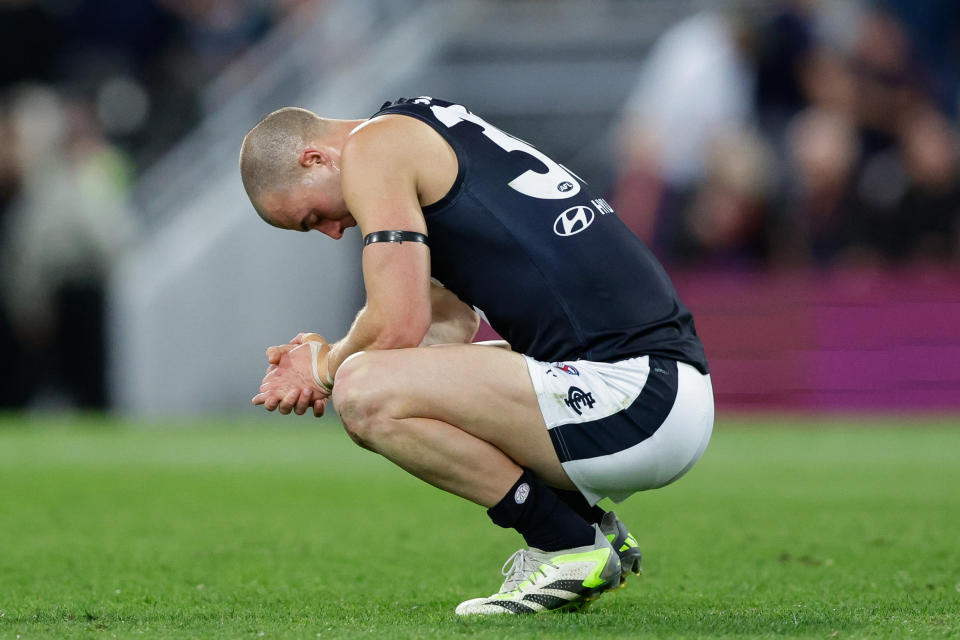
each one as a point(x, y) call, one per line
point(193, 308)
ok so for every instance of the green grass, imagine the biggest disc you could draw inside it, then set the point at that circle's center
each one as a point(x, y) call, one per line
point(285, 529)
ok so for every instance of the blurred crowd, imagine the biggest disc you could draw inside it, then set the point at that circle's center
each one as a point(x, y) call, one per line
point(802, 133)
point(784, 133)
point(91, 91)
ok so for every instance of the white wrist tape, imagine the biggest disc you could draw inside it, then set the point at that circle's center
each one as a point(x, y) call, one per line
point(324, 382)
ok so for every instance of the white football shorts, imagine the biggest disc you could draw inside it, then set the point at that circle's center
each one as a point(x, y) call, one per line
point(623, 427)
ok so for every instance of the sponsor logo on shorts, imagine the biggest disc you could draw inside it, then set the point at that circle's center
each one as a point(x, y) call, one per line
point(566, 368)
point(564, 186)
point(577, 397)
point(573, 221)
point(520, 495)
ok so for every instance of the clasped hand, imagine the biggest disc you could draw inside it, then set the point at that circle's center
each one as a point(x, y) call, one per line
point(289, 384)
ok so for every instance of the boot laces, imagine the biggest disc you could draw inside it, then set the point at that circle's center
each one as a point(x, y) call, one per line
point(521, 566)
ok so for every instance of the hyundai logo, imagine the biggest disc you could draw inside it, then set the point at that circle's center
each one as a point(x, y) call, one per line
point(573, 221)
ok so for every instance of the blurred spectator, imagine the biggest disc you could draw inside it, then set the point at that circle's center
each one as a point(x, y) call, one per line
point(857, 159)
point(90, 91)
point(933, 27)
point(923, 219)
point(887, 79)
point(143, 62)
point(820, 206)
point(783, 45)
point(694, 86)
point(726, 221)
point(63, 232)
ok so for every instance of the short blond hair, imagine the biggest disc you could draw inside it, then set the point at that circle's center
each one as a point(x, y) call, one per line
point(271, 149)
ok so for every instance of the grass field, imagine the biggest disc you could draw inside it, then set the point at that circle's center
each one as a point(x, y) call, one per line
point(284, 529)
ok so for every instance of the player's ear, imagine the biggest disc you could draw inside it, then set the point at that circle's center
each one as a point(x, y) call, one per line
point(312, 156)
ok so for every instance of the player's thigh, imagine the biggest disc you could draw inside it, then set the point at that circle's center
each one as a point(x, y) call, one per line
point(485, 391)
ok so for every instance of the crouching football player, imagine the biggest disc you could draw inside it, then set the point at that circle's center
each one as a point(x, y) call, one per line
point(603, 390)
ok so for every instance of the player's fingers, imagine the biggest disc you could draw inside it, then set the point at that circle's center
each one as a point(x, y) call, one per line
point(273, 400)
point(270, 368)
point(275, 353)
point(318, 407)
point(289, 401)
point(304, 402)
point(267, 397)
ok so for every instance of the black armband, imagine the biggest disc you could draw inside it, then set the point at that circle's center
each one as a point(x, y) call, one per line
point(395, 236)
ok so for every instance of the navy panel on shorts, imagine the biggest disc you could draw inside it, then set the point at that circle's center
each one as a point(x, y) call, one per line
point(626, 428)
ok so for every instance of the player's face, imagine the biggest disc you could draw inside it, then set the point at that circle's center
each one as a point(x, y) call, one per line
point(308, 207)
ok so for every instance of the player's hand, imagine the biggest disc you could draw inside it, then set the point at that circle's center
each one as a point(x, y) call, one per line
point(274, 353)
point(297, 401)
point(289, 385)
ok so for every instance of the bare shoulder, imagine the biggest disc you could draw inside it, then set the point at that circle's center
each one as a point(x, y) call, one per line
point(379, 174)
point(393, 137)
point(398, 148)
point(373, 154)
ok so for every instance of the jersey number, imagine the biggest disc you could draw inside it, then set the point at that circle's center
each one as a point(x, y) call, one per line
point(556, 184)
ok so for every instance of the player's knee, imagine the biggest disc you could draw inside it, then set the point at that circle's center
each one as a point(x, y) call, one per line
point(367, 428)
point(350, 387)
point(360, 402)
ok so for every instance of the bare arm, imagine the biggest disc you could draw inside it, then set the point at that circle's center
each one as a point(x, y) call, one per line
point(452, 321)
point(380, 189)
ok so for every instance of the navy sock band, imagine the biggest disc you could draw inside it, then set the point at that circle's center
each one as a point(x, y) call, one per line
point(576, 501)
point(544, 521)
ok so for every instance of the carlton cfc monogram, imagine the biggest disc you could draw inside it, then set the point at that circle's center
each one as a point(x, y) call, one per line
point(577, 397)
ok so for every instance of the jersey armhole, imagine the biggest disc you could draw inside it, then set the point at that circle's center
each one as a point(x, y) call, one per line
point(455, 190)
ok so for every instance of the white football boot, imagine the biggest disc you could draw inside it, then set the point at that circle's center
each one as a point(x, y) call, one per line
point(565, 580)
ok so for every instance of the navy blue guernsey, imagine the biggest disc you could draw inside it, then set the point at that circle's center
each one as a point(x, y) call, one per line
point(548, 263)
